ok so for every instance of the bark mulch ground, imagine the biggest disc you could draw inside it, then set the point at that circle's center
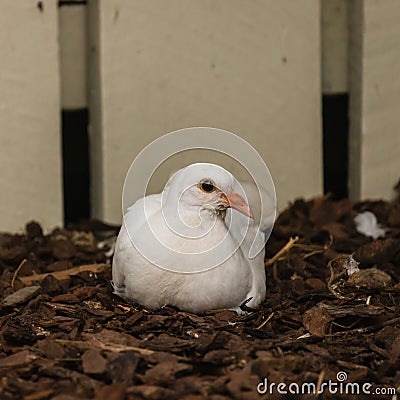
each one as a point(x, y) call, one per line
point(64, 336)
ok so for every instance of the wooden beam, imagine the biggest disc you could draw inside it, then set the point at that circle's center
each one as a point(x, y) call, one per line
point(334, 38)
point(30, 150)
point(374, 160)
point(73, 55)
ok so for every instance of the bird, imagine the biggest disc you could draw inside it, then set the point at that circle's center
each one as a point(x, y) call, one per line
point(188, 246)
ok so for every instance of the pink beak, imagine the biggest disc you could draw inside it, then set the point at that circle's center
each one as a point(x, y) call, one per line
point(237, 202)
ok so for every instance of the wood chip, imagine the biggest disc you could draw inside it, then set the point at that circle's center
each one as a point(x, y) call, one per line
point(65, 274)
point(21, 296)
point(18, 359)
point(93, 362)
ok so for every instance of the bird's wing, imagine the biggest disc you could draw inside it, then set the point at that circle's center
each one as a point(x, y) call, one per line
point(252, 234)
point(133, 222)
point(144, 208)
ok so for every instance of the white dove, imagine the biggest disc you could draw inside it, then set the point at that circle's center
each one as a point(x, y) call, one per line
point(180, 247)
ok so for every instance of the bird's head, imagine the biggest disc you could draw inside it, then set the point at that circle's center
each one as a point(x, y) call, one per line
point(204, 186)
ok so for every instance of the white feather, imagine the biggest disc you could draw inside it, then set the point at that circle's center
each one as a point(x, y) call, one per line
point(367, 224)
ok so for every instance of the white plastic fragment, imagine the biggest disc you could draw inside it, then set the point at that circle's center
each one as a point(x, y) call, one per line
point(306, 335)
point(351, 265)
point(367, 224)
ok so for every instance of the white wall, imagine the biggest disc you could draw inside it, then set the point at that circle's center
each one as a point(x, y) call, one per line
point(249, 67)
point(374, 98)
point(156, 66)
point(30, 178)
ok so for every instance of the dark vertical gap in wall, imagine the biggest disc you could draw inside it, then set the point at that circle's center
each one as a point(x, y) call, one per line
point(62, 3)
point(335, 143)
point(76, 175)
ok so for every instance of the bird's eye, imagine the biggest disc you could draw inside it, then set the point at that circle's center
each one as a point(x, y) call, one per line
point(207, 185)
